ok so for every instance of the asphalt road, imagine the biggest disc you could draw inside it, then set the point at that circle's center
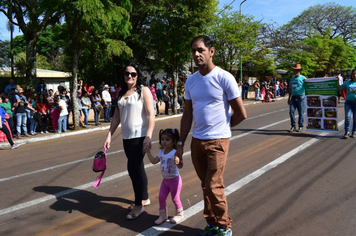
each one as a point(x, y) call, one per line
point(277, 183)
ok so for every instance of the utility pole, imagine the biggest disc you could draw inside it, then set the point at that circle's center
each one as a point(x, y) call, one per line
point(241, 48)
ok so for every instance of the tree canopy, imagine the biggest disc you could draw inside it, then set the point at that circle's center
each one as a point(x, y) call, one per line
point(97, 37)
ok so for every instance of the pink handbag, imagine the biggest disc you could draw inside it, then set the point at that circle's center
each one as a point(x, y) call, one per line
point(99, 165)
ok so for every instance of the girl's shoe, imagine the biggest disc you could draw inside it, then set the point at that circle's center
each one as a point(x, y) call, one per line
point(178, 217)
point(163, 216)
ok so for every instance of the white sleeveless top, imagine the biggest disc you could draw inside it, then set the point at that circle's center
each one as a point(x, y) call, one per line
point(133, 116)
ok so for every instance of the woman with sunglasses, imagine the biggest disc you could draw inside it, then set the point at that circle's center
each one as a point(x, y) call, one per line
point(135, 112)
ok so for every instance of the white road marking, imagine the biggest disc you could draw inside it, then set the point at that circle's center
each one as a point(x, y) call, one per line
point(157, 230)
point(188, 212)
point(110, 153)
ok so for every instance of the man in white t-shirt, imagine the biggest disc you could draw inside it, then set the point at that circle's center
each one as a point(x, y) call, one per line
point(341, 81)
point(105, 95)
point(211, 113)
point(62, 120)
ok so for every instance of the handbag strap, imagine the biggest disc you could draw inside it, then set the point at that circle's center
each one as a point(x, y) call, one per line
point(97, 183)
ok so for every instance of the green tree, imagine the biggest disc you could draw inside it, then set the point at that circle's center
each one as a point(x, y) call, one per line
point(50, 44)
point(170, 27)
point(140, 39)
point(21, 64)
point(5, 53)
point(100, 22)
point(329, 19)
point(237, 35)
point(32, 17)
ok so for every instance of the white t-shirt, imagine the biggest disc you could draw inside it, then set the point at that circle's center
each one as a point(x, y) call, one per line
point(341, 80)
point(106, 96)
point(169, 169)
point(63, 105)
point(133, 116)
point(210, 96)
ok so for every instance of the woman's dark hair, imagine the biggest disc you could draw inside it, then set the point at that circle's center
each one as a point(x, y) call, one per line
point(139, 81)
point(4, 97)
point(44, 100)
point(172, 133)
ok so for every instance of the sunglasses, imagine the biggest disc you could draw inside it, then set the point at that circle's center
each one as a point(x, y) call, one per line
point(133, 74)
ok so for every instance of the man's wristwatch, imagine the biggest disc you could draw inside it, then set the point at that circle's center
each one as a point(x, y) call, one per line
point(179, 143)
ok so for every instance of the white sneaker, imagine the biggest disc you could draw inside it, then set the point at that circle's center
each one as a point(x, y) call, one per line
point(15, 145)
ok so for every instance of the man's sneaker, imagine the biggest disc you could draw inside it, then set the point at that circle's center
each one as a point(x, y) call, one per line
point(15, 145)
point(210, 230)
point(292, 129)
point(346, 135)
point(300, 129)
point(353, 134)
point(224, 232)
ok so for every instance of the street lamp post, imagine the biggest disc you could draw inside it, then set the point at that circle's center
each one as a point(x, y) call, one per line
point(241, 48)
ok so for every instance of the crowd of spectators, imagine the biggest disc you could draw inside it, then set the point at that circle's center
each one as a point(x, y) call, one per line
point(44, 110)
point(265, 91)
point(162, 92)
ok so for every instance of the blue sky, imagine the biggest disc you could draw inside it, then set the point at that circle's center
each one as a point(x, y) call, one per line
point(280, 11)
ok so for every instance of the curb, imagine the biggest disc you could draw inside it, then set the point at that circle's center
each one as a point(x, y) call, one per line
point(45, 137)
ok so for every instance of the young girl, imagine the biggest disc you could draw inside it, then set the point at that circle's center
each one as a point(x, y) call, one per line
point(5, 128)
point(172, 182)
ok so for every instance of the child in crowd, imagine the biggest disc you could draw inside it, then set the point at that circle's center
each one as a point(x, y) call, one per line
point(5, 128)
point(8, 109)
point(62, 121)
point(172, 182)
point(153, 91)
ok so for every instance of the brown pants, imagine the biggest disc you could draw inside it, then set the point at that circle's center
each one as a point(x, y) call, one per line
point(209, 159)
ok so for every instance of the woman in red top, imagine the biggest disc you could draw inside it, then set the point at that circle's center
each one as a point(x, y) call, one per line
point(43, 109)
point(89, 87)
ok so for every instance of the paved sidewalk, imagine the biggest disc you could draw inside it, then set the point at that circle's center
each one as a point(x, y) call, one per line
point(93, 128)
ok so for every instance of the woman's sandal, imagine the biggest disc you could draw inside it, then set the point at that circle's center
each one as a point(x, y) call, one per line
point(144, 203)
point(132, 216)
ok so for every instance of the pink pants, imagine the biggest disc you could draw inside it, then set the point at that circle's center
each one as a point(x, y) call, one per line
point(55, 116)
point(173, 186)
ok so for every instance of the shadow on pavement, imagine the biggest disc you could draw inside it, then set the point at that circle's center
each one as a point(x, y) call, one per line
point(106, 208)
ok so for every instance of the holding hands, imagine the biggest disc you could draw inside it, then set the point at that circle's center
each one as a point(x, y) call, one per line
point(178, 157)
point(147, 144)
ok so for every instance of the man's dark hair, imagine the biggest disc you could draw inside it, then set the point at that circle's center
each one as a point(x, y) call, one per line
point(206, 40)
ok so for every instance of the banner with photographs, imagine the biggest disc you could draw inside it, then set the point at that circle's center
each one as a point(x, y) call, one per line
point(321, 104)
